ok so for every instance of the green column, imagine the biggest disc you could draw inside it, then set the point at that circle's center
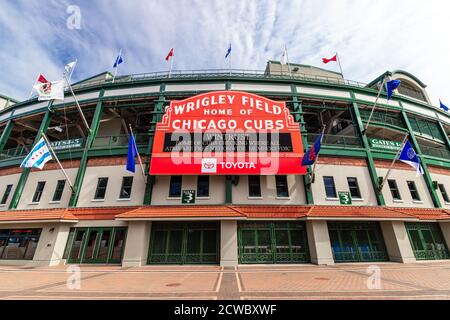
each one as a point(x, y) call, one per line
point(298, 117)
point(157, 115)
point(228, 190)
point(26, 171)
point(84, 158)
point(426, 176)
point(5, 134)
point(444, 135)
point(370, 162)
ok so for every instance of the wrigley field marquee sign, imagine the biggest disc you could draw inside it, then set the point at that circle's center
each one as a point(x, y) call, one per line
point(227, 132)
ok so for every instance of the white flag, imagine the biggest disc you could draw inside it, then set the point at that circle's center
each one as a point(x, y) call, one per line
point(284, 56)
point(38, 156)
point(50, 90)
point(69, 68)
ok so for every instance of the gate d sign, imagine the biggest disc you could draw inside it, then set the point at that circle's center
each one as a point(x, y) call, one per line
point(188, 196)
point(345, 198)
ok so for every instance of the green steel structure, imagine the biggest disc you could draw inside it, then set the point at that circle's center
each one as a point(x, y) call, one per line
point(315, 97)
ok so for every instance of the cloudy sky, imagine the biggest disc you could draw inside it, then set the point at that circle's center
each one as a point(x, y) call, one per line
point(371, 36)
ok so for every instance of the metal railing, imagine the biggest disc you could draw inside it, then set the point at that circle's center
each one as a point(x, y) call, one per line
point(436, 152)
point(119, 141)
point(331, 140)
point(217, 73)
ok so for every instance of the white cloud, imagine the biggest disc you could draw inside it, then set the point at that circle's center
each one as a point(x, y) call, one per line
point(370, 36)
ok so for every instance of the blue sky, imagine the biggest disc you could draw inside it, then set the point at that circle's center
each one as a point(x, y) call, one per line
point(371, 36)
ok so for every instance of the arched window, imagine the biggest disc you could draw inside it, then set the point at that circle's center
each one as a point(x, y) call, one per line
point(411, 90)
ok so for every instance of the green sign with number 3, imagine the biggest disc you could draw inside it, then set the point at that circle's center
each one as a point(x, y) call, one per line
point(188, 197)
point(345, 198)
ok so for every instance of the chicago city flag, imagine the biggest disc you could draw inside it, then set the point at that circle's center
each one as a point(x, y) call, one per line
point(38, 156)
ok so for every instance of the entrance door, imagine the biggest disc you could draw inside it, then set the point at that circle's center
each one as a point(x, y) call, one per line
point(272, 242)
point(357, 242)
point(95, 245)
point(427, 241)
point(184, 243)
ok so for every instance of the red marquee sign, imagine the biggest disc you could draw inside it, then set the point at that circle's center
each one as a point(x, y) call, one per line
point(227, 133)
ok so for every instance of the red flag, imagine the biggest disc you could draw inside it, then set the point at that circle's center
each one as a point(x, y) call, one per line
point(170, 54)
point(325, 60)
point(42, 79)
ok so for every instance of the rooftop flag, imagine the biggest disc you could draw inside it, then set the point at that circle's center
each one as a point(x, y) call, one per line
point(119, 59)
point(228, 52)
point(38, 156)
point(50, 90)
point(391, 86)
point(325, 60)
point(68, 68)
point(132, 151)
point(443, 106)
point(170, 54)
point(311, 155)
point(409, 156)
point(41, 79)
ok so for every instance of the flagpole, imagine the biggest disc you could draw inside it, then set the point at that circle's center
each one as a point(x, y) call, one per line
point(171, 62)
point(77, 104)
point(393, 162)
point(340, 66)
point(317, 157)
point(117, 64)
point(229, 62)
point(57, 160)
point(287, 59)
point(374, 105)
point(137, 152)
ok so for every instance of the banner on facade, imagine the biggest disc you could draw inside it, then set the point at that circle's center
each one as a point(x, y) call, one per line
point(385, 144)
point(227, 133)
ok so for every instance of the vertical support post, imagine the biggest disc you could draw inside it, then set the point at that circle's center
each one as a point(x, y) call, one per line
point(84, 158)
point(426, 173)
point(5, 134)
point(298, 117)
point(369, 157)
point(442, 129)
point(26, 171)
point(158, 111)
point(228, 190)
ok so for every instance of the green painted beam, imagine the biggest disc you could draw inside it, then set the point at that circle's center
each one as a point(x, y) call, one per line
point(228, 190)
point(298, 117)
point(95, 124)
point(370, 163)
point(5, 134)
point(441, 127)
point(26, 171)
point(426, 176)
point(159, 108)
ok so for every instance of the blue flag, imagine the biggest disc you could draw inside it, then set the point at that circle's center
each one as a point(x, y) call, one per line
point(410, 157)
point(443, 106)
point(119, 60)
point(391, 86)
point(311, 155)
point(132, 151)
point(228, 52)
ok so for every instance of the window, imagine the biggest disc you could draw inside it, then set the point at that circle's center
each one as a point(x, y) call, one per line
point(254, 186)
point(394, 190)
point(125, 190)
point(282, 186)
point(59, 190)
point(413, 190)
point(354, 187)
point(101, 188)
point(38, 193)
point(203, 186)
point(18, 244)
point(444, 193)
point(330, 188)
point(6, 194)
point(175, 186)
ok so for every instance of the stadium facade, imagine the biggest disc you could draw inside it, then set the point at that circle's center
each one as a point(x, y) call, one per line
point(210, 211)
